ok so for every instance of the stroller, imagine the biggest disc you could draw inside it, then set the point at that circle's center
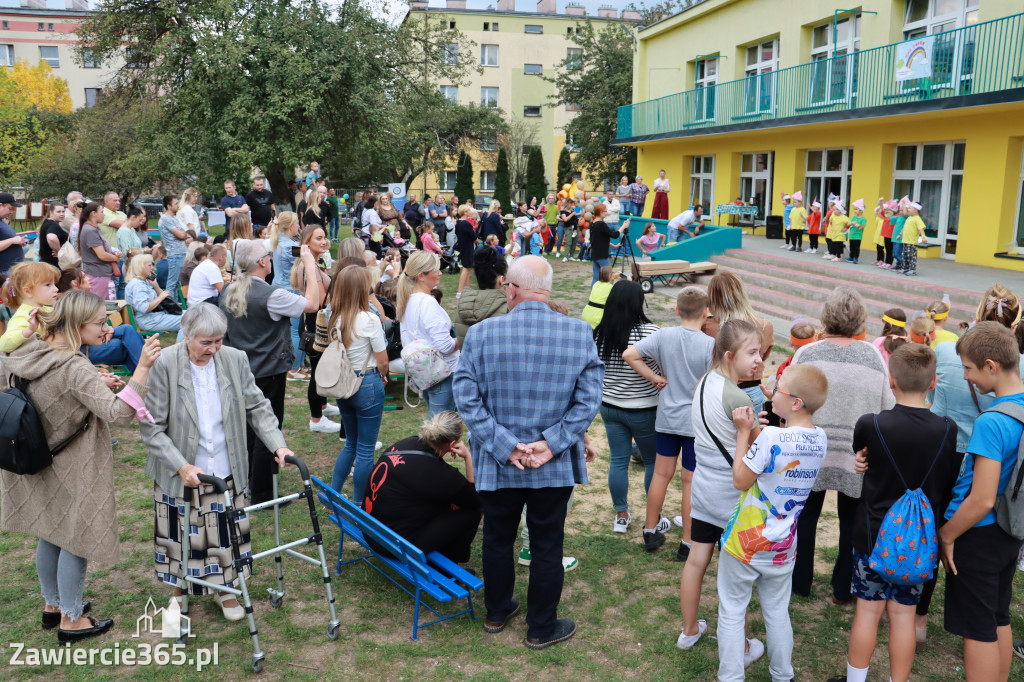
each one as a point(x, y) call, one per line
point(450, 260)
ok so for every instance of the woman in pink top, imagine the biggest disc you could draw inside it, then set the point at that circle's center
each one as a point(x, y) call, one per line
point(650, 240)
point(427, 238)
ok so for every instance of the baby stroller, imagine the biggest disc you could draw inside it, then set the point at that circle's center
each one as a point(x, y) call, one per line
point(450, 261)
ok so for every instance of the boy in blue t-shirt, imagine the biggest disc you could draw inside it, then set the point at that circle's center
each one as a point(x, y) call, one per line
point(979, 556)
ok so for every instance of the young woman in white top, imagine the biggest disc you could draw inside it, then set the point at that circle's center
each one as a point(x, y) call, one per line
point(363, 337)
point(625, 196)
point(661, 189)
point(423, 318)
point(187, 215)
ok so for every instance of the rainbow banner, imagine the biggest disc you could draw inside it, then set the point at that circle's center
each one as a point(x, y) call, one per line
point(914, 58)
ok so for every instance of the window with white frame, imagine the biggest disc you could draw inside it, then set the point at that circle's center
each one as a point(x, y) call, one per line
point(705, 80)
point(450, 53)
point(702, 182)
point(756, 181)
point(89, 60)
point(533, 28)
point(488, 142)
point(828, 173)
point(5, 24)
point(573, 58)
point(488, 55)
point(490, 26)
point(1020, 204)
point(762, 61)
point(92, 95)
point(953, 53)
point(570, 143)
point(49, 27)
point(932, 174)
point(6, 55)
point(451, 93)
point(531, 112)
point(488, 97)
point(487, 181)
point(533, 69)
point(835, 57)
point(50, 55)
point(448, 181)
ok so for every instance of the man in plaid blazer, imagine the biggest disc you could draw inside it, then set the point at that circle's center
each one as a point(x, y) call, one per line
point(528, 385)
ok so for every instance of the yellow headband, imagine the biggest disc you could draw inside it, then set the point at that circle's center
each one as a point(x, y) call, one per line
point(895, 323)
point(938, 316)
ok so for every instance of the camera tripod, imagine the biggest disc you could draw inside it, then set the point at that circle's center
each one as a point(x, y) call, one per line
point(628, 257)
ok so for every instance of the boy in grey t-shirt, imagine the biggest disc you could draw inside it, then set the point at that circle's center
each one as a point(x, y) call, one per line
point(684, 355)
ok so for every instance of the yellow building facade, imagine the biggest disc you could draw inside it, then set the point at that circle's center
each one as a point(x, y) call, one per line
point(746, 100)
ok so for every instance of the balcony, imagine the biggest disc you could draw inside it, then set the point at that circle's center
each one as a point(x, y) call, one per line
point(968, 66)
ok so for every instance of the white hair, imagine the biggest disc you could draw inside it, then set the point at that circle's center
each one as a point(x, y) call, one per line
point(526, 272)
point(203, 319)
point(72, 196)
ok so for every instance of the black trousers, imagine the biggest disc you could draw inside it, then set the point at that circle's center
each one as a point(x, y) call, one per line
point(545, 517)
point(813, 239)
point(806, 530)
point(451, 533)
point(262, 466)
point(880, 252)
point(888, 250)
point(854, 249)
point(798, 238)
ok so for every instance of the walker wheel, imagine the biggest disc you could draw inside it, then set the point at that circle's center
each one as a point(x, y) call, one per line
point(332, 630)
point(275, 602)
point(257, 665)
point(647, 285)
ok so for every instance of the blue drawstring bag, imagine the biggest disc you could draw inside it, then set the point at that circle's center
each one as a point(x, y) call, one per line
point(907, 548)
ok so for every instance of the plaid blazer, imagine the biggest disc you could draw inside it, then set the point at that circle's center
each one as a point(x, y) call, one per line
point(530, 375)
point(174, 437)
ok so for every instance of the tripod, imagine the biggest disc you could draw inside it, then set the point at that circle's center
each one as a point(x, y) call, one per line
point(628, 257)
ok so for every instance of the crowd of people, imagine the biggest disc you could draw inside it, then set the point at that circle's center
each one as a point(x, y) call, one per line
point(920, 408)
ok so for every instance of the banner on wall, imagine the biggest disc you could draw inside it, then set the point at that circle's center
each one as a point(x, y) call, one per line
point(397, 190)
point(914, 58)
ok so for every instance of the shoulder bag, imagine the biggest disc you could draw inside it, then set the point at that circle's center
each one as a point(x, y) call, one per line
point(335, 377)
point(424, 365)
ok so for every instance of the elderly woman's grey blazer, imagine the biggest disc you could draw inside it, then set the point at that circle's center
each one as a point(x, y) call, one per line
point(173, 438)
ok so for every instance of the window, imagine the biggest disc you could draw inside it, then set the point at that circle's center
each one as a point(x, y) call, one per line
point(572, 106)
point(490, 26)
point(487, 26)
point(89, 61)
point(828, 172)
point(570, 31)
point(488, 97)
point(488, 142)
point(49, 27)
point(533, 28)
point(132, 59)
point(702, 182)
point(450, 53)
point(527, 148)
point(1020, 205)
point(494, 26)
point(5, 25)
point(487, 181)
point(761, 63)
point(932, 174)
point(50, 55)
point(40, 26)
point(91, 96)
point(705, 80)
point(532, 69)
point(574, 58)
point(834, 58)
point(570, 144)
point(448, 181)
point(953, 52)
point(451, 25)
point(488, 55)
point(531, 112)
point(756, 181)
point(6, 55)
point(451, 93)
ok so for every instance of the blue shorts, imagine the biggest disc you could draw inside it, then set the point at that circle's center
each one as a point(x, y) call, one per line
point(670, 445)
point(868, 585)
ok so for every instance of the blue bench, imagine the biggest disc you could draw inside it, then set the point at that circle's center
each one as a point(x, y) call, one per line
point(431, 573)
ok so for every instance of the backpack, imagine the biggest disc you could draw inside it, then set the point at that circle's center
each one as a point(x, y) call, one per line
point(335, 376)
point(23, 446)
point(1009, 505)
point(907, 548)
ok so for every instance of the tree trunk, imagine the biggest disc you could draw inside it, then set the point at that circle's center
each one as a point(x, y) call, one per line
point(278, 180)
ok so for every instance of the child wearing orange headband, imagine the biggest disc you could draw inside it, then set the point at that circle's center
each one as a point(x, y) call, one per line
point(922, 330)
point(800, 334)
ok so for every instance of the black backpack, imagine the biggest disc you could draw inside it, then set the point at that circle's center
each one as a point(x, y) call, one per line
point(23, 447)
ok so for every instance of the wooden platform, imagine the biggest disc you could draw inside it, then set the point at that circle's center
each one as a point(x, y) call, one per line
point(670, 272)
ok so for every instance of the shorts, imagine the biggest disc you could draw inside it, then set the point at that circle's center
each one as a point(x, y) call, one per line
point(702, 531)
point(868, 585)
point(978, 598)
point(670, 445)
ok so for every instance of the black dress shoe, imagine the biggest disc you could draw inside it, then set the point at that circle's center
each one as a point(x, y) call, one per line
point(98, 628)
point(52, 620)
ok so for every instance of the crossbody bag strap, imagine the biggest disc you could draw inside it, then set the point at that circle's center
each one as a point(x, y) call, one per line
point(718, 443)
point(20, 383)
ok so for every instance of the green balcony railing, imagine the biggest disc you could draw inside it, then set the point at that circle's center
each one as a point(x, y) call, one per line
point(981, 58)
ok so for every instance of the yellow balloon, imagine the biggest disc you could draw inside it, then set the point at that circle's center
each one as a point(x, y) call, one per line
point(565, 188)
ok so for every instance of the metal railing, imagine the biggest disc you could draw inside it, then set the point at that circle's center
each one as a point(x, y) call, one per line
point(981, 58)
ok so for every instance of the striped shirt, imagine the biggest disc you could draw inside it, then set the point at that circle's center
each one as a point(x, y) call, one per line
point(623, 387)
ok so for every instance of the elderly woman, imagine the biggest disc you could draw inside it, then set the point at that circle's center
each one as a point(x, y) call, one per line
point(201, 396)
point(391, 217)
point(144, 295)
point(70, 506)
point(859, 384)
point(259, 320)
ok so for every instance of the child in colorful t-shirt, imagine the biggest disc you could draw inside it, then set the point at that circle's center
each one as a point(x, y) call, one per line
point(776, 473)
point(814, 226)
point(797, 221)
point(856, 230)
point(836, 235)
point(913, 229)
point(897, 233)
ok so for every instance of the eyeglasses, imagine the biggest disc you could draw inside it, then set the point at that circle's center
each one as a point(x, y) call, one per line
point(775, 389)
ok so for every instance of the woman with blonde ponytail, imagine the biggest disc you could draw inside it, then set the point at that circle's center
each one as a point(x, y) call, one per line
point(283, 236)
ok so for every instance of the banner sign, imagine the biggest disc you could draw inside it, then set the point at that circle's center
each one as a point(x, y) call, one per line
point(397, 190)
point(914, 58)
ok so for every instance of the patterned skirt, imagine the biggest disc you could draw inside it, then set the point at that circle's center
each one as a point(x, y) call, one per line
point(210, 553)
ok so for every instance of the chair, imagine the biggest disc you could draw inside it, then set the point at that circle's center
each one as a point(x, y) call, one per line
point(132, 322)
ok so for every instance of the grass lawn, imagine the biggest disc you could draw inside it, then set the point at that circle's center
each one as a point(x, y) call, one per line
point(625, 601)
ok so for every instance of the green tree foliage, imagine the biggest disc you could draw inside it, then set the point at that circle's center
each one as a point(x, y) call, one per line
point(535, 174)
point(502, 188)
point(464, 178)
point(565, 170)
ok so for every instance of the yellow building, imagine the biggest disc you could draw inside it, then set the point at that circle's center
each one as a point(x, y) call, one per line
point(514, 49)
point(749, 99)
point(33, 33)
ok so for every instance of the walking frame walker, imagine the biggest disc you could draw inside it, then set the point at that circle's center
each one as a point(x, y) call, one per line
point(276, 596)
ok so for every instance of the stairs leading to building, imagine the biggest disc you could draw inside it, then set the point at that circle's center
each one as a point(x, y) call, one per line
point(782, 288)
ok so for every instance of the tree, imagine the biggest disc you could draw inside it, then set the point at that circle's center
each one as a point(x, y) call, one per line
point(502, 188)
point(33, 102)
point(464, 178)
point(535, 185)
point(516, 139)
point(565, 171)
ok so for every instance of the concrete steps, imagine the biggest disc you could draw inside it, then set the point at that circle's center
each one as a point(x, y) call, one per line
point(783, 288)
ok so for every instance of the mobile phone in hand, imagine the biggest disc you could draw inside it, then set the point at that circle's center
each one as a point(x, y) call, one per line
point(296, 251)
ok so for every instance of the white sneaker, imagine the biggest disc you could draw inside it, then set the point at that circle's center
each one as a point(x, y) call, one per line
point(827, 256)
point(569, 563)
point(756, 652)
point(790, 247)
point(565, 260)
point(784, 246)
point(814, 251)
point(685, 641)
point(678, 520)
point(325, 425)
point(663, 525)
point(331, 410)
point(621, 525)
point(378, 446)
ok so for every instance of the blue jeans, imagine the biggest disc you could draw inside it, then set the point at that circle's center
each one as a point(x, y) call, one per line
point(559, 236)
point(757, 396)
point(335, 222)
point(897, 253)
point(627, 208)
point(439, 397)
point(119, 283)
point(674, 235)
point(174, 264)
point(123, 348)
point(299, 356)
point(638, 209)
point(623, 427)
point(361, 415)
point(598, 264)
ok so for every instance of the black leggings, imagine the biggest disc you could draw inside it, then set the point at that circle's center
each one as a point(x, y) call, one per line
point(888, 250)
point(813, 239)
point(879, 252)
point(854, 249)
point(798, 238)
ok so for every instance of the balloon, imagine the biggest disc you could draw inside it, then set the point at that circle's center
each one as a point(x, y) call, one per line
point(345, 196)
point(563, 194)
point(565, 187)
point(343, 200)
